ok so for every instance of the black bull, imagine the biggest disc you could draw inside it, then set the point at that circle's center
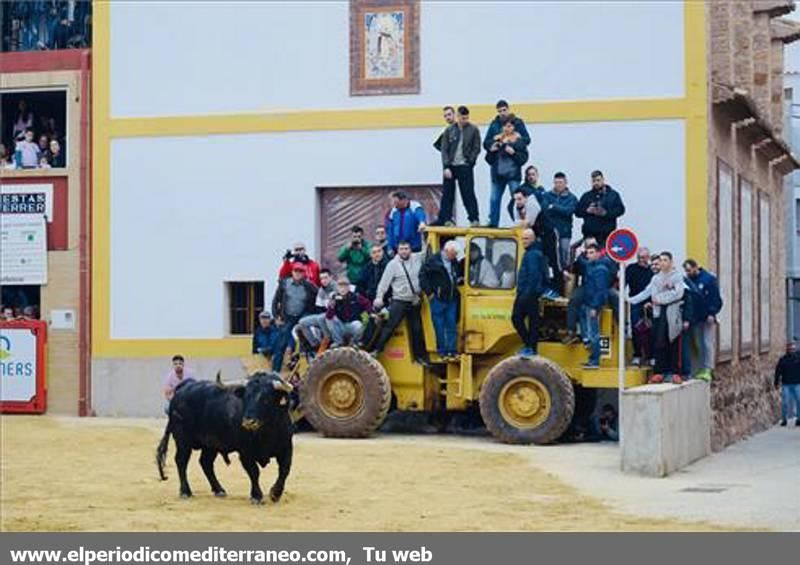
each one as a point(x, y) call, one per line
point(251, 419)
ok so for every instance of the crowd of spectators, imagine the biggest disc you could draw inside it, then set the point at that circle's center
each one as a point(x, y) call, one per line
point(37, 141)
point(11, 313)
point(382, 282)
point(34, 25)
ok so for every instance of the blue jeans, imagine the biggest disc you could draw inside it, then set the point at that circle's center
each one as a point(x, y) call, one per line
point(592, 325)
point(341, 331)
point(283, 341)
point(496, 199)
point(687, 338)
point(790, 393)
point(444, 314)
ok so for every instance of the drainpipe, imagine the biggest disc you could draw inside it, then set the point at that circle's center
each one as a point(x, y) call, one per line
point(84, 246)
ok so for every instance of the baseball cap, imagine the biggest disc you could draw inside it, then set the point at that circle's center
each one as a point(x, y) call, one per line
point(265, 314)
point(401, 195)
point(298, 267)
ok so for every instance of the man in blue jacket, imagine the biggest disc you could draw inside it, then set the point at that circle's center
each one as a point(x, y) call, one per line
point(596, 281)
point(531, 283)
point(710, 305)
point(405, 222)
point(559, 206)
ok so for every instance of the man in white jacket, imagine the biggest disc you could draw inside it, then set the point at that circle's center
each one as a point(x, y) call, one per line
point(402, 276)
point(666, 292)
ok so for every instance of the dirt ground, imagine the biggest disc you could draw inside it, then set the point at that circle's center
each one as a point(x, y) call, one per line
point(67, 474)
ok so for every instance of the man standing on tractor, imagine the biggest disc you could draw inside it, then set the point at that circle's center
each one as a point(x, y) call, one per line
point(439, 279)
point(461, 145)
point(596, 280)
point(402, 276)
point(531, 283)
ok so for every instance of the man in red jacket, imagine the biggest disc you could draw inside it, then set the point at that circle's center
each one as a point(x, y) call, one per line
point(298, 255)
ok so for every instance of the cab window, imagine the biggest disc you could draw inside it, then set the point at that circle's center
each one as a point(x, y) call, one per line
point(492, 263)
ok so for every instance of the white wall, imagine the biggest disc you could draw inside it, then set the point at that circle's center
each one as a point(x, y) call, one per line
point(182, 58)
point(189, 213)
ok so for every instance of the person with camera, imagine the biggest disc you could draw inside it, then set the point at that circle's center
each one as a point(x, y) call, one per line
point(461, 145)
point(599, 207)
point(506, 156)
point(298, 255)
point(355, 254)
point(402, 277)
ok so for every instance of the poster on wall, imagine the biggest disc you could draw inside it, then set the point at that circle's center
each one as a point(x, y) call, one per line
point(384, 47)
point(27, 200)
point(18, 364)
point(23, 239)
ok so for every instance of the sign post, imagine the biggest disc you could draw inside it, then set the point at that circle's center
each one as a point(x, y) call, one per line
point(622, 246)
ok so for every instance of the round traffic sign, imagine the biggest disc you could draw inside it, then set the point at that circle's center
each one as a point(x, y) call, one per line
point(622, 245)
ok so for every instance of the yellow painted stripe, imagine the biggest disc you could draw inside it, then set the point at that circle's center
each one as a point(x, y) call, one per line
point(696, 131)
point(224, 347)
point(391, 118)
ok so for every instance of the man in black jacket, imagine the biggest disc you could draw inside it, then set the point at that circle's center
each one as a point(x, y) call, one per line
point(372, 272)
point(294, 298)
point(599, 207)
point(787, 376)
point(449, 115)
point(531, 282)
point(461, 145)
point(439, 279)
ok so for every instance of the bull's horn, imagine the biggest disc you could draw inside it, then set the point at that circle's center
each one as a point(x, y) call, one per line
point(280, 384)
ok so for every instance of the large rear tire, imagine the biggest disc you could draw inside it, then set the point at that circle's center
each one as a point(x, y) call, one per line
point(527, 401)
point(345, 393)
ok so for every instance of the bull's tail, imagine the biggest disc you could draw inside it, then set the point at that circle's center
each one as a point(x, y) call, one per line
point(161, 450)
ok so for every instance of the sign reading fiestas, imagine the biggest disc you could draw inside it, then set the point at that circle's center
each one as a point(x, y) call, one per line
point(27, 199)
point(18, 364)
point(622, 245)
point(23, 240)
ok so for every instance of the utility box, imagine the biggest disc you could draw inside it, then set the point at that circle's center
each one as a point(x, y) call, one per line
point(665, 427)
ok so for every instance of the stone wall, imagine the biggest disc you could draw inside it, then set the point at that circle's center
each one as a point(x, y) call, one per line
point(743, 54)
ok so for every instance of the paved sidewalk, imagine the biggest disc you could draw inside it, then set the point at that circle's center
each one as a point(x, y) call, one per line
point(753, 483)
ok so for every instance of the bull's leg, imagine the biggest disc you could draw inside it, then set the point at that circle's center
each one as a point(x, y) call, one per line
point(256, 496)
point(182, 461)
point(284, 466)
point(207, 458)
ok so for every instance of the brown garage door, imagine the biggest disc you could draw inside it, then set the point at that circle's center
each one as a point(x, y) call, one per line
point(341, 208)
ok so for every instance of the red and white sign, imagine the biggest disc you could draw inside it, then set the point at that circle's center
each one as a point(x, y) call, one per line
point(622, 245)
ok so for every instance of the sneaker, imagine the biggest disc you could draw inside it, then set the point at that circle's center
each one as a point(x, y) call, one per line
point(526, 352)
point(783, 423)
point(651, 362)
point(590, 366)
point(475, 224)
point(704, 375)
point(656, 379)
point(677, 380)
point(636, 361)
point(550, 294)
point(449, 224)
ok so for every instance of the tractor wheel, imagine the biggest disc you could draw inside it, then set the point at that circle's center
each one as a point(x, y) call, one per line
point(345, 393)
point(527, 401)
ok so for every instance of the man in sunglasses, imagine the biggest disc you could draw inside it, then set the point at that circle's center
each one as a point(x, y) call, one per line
point(297, 254)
